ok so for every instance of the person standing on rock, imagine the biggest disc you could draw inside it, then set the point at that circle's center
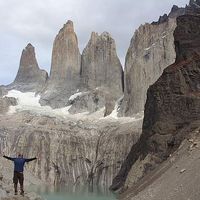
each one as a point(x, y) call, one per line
point(19, 163)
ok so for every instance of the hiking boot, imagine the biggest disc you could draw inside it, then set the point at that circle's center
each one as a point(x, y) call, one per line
point(22, 193)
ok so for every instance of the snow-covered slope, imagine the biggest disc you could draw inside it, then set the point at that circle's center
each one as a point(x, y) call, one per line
point(29, 101)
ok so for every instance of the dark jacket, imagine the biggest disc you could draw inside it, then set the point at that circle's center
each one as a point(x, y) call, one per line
point(19, 162)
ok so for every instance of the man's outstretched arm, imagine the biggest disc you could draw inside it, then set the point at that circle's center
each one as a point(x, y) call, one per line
point(30, 159)
point(9, 158)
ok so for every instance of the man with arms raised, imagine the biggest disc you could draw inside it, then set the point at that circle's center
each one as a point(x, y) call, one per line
point(18, 171)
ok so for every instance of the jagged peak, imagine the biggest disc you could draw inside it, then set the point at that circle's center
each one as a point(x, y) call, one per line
point(28, 47)
point(70, 23)
point(193, 8)
point(28, 50)
point(174, 8)
point(29, 73)
point(161, 19)
point(105, 34)
point(28, 56)
point(94, 35)
point(195, 3)
point(68, 27)
point(174, 13)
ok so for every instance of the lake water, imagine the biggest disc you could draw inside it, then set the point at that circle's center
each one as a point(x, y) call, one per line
point(76, 194)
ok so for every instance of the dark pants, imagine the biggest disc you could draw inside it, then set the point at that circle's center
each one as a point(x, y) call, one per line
point(18, 177)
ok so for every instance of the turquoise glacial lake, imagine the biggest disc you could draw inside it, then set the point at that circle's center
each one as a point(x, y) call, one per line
point(76, 194)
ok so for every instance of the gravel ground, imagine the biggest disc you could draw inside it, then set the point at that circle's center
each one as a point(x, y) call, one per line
point(177, 179)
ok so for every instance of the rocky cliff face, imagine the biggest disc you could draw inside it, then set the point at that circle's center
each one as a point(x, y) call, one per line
point(151, 50)
point(193, 8)
point(5, 103)
point(75, 151)
point(65, 68)
point(3, 91)
point(29, 77)
point(72, 151)
point(96, 75)
point(172, 109)
point(100, 64)
point(187, 38)
point(98, 99)
point(101, 76)
point(66, 57)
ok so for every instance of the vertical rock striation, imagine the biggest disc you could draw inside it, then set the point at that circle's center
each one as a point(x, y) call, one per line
point(101, 76)
point(151, 50)
point(100, 64)
point(72, 152)
point(65, 68)
point(29, 77)
point(172, 108)
point(187, 40)
point(193, 8)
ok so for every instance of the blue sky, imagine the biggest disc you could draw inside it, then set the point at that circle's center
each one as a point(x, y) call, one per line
point(38, 22)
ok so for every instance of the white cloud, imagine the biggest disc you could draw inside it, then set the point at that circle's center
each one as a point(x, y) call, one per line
point(39, 21)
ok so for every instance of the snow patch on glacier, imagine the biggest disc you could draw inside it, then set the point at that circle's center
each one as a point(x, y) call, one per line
point(30, 102)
